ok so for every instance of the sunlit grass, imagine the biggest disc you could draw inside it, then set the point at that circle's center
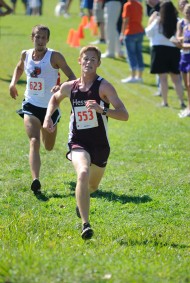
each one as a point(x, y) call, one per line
point(140, 215)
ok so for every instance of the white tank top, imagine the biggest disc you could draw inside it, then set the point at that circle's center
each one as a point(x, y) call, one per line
point(41, 77)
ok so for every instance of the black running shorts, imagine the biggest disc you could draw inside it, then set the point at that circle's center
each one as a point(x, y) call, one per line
point(98, 154)
point(38, 112)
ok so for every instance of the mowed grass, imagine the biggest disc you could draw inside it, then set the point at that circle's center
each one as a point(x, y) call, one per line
point(140, 215)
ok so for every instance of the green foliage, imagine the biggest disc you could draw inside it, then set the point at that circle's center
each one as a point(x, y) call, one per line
point(141, 213)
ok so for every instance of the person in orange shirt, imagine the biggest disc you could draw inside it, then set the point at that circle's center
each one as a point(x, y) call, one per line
point(132, 33)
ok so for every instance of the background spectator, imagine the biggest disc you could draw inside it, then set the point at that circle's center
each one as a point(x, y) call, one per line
point(132, 33)
point(152, 6)
point(87, 5)
point(14, 2)
point(165, 55)
point(185, 58)
point(34, 6)
point(4, 9)
point(98, 13)
point(112, 10)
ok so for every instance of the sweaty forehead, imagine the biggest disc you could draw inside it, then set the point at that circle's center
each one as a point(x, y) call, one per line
point(90, 54)
point(187, 8)
point(182, 2)
point(41, 33)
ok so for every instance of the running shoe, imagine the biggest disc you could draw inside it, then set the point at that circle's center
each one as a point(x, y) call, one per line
point(129, 80)
point(107, 55)
point(87, 232)
point(183, 105)
point(36, 186)
point(158, 93)
point(163, 104)
point(184, 113)
point(139, 80)
point(98, 41)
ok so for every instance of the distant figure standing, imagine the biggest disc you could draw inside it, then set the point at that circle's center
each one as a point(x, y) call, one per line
point(152, 6)
point(185, 56)
point(4, 9)
point(34, 6)
point(98, 13)
point(132, 33)
point(88, 6)
point(41, 7)
point(63, 7)
point(165, 56)
point(112, 10)
point(14, 2)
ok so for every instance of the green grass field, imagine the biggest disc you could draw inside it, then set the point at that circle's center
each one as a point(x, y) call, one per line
point(141, 214)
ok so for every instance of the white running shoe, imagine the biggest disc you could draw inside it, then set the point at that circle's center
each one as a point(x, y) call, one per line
point(66, 15)
point(98, 41)
point(129, 80)
point(184, 113)
point(139, 80)
point(107, 55)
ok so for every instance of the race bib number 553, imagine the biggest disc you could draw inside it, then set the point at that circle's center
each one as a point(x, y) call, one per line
point(85, 119)
point(36, 86)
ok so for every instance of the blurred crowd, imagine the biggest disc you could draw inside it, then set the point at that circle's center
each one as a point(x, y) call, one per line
point(121, 30)
point(31, 7)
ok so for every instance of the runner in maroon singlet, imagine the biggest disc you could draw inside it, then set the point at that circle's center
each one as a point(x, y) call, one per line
point(90, 97)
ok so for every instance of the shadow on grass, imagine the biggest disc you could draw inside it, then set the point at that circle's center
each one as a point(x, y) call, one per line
point(20, 82)
point(110, 196)
point(43, 197)
point(40, 196)
point(150, 242)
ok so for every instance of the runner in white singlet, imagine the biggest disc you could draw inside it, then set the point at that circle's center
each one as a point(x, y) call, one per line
point(41, 66)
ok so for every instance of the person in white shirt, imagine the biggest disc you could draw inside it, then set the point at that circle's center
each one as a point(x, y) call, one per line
point(165, 55)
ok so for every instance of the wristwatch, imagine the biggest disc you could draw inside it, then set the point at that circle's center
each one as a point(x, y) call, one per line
point(105, 110)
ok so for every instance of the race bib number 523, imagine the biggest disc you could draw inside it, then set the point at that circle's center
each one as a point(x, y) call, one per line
point(85, 119)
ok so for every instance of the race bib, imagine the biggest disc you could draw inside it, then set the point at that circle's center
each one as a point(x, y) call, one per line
point(36, 86)
point(85, 119)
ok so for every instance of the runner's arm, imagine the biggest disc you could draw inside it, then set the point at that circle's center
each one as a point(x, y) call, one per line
point(18, 71)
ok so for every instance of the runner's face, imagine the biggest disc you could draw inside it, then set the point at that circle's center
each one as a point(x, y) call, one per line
point(182, 4)
point(89, 62)
point(187, 13)
point(40, 40)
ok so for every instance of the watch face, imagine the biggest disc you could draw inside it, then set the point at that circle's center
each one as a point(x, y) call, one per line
point(104, 111)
